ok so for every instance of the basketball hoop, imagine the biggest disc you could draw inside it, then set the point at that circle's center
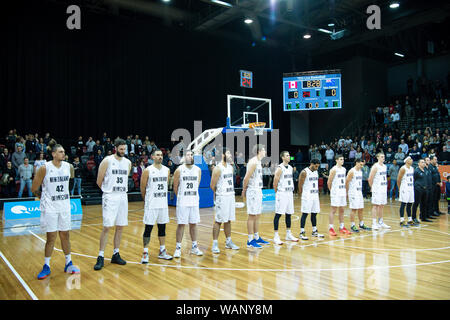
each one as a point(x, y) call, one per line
point(258, 127)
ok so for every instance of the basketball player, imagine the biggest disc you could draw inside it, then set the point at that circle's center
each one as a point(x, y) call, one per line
point(353, 185)
point(378, 183)
point(405, 183)
point(223, 187)
point(154, 192)
point(336, 185)
point(308, 187)
point(55, 206)
point(185, 185)
point(253, 196)
point(283, 184)
point(112, 178)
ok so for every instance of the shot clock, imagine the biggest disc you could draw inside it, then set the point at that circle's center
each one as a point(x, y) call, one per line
point(312, 90)
point(246, 79)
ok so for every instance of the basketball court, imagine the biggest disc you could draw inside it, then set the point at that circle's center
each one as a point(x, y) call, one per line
point(393, 264)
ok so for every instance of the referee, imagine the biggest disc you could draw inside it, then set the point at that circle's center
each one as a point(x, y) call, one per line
point(437, 184)
point(420, 192)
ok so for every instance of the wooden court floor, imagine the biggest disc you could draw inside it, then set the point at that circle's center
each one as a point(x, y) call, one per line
point(394, 264)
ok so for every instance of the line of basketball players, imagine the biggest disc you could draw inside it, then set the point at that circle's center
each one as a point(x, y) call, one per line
point(113, 180)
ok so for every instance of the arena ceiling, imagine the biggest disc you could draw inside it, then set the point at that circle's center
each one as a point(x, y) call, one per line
point(283, 23)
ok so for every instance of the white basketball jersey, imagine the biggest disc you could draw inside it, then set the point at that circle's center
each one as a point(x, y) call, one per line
point(286, 182)
point(55, 188)
point(380, 179)
point(355, 185)
point(310, 189)
point(338, 184)
point(116, 177)
point(156, 189)
point(408, 180)
point(225, 185)
point(188, 188)
point(255, 181)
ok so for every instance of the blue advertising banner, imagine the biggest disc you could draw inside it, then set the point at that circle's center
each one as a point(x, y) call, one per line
point(21, 217)
point(268, 204)
point(31, 209)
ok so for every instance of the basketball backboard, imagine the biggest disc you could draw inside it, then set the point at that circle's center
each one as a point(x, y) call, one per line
point(244, 110)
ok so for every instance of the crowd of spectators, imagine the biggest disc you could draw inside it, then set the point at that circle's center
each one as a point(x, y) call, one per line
point(21, 156)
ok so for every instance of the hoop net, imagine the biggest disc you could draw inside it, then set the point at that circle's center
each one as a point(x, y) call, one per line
point(258, 127)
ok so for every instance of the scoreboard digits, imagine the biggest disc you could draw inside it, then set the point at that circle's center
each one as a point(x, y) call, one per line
point(312, 90)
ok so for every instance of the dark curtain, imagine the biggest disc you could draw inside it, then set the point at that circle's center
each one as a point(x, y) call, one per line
point(123, 75)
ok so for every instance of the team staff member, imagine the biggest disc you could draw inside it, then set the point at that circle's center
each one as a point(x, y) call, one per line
point(420, 192)
point(429, 202)
point(437, 184)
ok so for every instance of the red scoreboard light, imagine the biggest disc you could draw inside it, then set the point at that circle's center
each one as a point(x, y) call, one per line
point(246, 79)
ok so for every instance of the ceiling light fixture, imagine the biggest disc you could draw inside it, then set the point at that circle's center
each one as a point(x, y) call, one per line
point(399, 54)
point(248, 21)
point(222, 3)
point(324, 30)
point(394, 5)
point(307, 36)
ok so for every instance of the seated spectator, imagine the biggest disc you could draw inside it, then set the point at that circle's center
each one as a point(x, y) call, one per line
point(432, 153)
point(419, 144)
point(389, 155)
point(395, 117)
point(135, 175)
point(98, 159)
point(415, 153)
point(404, 146)
point(17, 159)
point(41, 146)
point(5, 156)
point(30, 146)
point(144, 158)
point(108, 146)
point(444, 156)
point(25, 175)
point(8, 181)
point(399, 156)
point(359, 153)
point(133, 158)
point(391, 109)
point(140, 169)
point(39, 162)
point(435, 109)
point(366, 156)
point(10, 141)
point(104, 138)
point(97, 147)
point(424, 153)
point(20, 142)
point(352, 154)
point(90, 146)
point(153, 146)
point(386, 111)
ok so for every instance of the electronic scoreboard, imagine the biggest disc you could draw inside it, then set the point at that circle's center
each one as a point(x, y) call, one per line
point(312, 90)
